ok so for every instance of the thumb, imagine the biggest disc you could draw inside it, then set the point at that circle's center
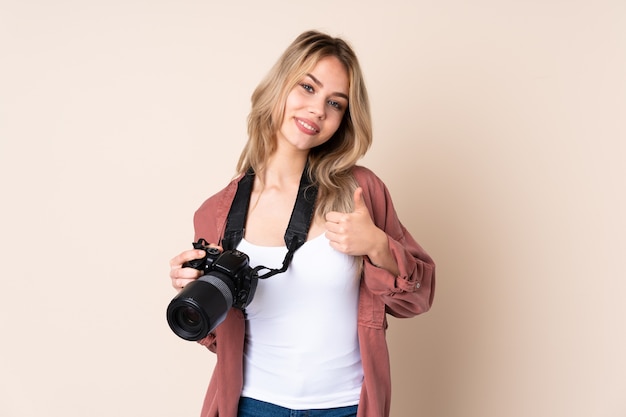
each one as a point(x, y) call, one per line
point(359, 203)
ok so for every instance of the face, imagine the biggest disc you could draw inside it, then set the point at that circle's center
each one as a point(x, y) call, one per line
point(315, 106)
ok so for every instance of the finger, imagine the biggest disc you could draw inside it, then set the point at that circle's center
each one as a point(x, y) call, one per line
point(333, 227)
point(331, 236)
point(186, 256)
point(185, 273)
point(337, 238)
point(338, 246)
point(359, 203)
point(180, 283)
point(334, 216)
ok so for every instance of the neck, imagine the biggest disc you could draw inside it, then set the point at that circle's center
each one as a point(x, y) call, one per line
point(282, 170)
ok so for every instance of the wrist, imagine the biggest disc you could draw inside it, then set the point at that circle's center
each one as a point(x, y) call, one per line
point(380, 251)
point(382, 257)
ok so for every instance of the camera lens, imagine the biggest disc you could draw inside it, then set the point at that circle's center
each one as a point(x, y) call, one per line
point(201, 306)
point(188, 316)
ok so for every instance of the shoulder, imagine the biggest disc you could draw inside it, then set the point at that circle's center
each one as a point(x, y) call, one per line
point(224, 196)
point(210, 217)
point(368, 180)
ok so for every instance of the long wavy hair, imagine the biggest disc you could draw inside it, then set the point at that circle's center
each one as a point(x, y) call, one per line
point(330, 164)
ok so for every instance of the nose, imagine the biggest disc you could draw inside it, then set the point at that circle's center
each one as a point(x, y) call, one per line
point(317, 107)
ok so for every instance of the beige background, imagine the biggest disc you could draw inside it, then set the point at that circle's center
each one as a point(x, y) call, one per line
point(499, 128)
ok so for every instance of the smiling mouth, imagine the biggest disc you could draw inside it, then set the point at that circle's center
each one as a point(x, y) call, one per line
point(312, 129)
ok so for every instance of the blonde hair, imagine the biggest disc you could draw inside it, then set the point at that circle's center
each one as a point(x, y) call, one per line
point(330, 164)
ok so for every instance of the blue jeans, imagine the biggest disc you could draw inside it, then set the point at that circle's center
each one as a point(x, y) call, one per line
point(249, 407)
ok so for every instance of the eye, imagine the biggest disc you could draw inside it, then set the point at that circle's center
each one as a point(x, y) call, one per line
point(335, 104)
point(307, 87)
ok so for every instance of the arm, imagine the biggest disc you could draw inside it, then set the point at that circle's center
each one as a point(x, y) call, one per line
point(209, 222)
point(409, 290)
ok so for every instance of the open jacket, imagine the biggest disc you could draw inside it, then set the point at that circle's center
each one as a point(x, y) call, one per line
point(406, 295)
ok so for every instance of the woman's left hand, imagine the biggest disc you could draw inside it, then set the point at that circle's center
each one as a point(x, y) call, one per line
point(354, 233)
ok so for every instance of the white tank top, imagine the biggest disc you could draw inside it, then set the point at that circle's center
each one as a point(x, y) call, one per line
point(302, 350)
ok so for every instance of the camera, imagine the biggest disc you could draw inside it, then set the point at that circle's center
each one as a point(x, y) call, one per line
point(227, 281)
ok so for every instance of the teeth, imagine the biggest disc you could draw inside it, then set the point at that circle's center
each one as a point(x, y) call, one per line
point(307, 126)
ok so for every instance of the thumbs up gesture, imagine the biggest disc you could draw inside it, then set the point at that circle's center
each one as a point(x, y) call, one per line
point(355, 233)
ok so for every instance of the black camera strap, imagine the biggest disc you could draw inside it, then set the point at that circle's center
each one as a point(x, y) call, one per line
point(299, 223)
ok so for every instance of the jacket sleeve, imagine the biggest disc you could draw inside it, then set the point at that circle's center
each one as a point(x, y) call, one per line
point(209, 222)
point(412, 291)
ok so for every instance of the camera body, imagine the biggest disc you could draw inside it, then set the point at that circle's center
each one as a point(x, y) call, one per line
point(227, 281)
point(232, 263)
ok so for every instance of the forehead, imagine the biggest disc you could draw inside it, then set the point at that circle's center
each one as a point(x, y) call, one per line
point(332, 74)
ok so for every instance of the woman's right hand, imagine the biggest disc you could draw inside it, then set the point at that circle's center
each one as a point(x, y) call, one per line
point(180, 275)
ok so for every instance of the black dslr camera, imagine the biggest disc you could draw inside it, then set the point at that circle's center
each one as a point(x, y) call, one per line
point(228, 281)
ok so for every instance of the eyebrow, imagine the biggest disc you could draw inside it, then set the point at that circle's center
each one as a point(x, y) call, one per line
point(319, 83)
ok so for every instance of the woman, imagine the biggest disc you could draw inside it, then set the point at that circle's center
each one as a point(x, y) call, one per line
point(313, 337)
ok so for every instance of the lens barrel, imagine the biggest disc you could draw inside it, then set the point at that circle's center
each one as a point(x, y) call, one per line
point(201, 306)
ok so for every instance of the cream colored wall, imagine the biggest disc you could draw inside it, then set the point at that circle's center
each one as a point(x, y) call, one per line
point(499, 129)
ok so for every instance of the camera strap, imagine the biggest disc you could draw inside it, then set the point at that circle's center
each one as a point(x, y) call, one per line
point(299, 223)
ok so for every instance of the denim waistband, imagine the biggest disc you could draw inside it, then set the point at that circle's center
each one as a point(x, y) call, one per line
point(249, 407)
